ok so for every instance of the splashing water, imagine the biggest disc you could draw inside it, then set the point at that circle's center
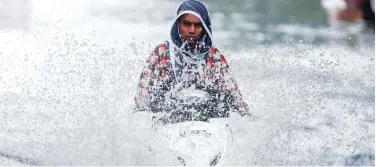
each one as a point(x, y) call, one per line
point(67, 85)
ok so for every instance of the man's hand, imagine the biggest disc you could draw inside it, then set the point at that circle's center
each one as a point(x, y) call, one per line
point(244, 109)
point(164, 120)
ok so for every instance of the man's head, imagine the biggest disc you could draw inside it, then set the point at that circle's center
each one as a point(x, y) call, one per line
point(192, 25)
point(191, 29)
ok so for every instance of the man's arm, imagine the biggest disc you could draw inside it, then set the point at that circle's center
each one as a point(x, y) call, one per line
point(230, 86)
point(144, 88)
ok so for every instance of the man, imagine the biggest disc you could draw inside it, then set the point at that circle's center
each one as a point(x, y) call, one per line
point(188, 59)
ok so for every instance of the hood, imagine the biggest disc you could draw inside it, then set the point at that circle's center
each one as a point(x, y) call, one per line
point(198, 9)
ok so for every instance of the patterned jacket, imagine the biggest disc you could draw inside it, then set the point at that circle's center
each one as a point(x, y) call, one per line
point(157, 77)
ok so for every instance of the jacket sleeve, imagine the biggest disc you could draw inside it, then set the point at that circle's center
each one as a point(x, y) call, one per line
point(146, 82)
point(229, 85)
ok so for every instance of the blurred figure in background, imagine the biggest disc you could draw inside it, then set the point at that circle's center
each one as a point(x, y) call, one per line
point(350, 11)
point(351, 17)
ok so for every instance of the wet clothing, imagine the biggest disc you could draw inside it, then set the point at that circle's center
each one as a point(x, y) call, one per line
point(171, 66)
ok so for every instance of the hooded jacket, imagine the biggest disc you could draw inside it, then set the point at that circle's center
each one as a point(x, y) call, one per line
point(170, 66)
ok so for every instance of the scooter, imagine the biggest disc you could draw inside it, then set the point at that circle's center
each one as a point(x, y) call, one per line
point(192, 134)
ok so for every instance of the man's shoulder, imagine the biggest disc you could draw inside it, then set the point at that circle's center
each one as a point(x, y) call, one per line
point(160, 46)
point(163, 46)
point(160, 49)
point(215, 54)
point(158, 55)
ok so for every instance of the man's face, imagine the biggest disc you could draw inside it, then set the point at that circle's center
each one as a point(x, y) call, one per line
point(190, 28)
